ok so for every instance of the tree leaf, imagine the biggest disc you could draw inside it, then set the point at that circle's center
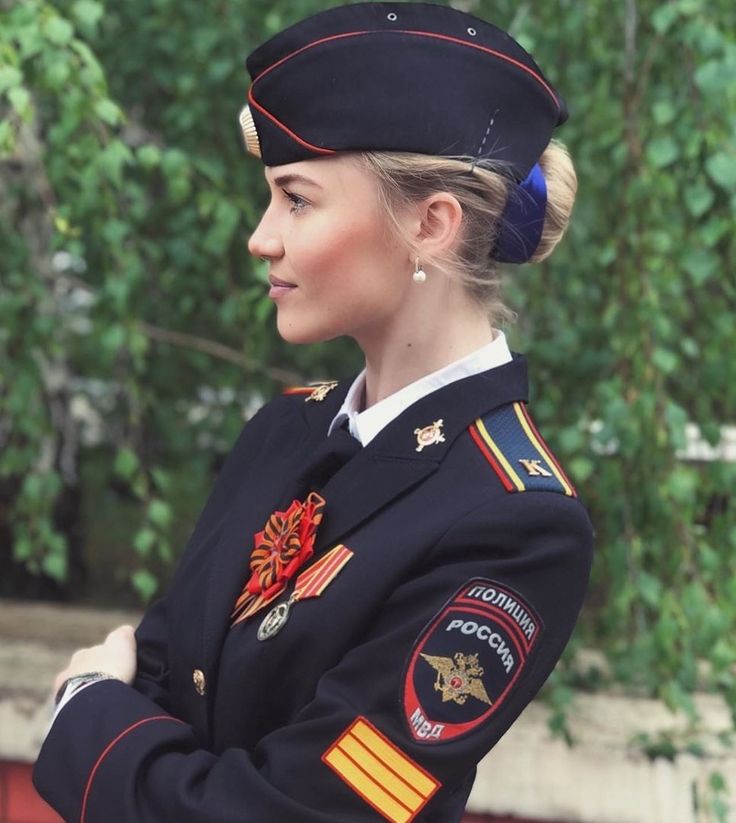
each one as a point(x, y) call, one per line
point(144, 541)
point(108, 112)
point(699, 198)
point(701, 264)
point(88, 13)
point(662, 151)
point(9, 77)
point(58, 31)
point(126, 463)
point(159, 513)
point(664, 16)
point(144, 583)
point(722, 169)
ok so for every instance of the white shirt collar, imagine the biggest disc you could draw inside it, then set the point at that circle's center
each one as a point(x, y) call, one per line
point(365, 425)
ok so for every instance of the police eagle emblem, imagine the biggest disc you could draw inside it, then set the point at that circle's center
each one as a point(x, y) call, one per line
point(458, 678)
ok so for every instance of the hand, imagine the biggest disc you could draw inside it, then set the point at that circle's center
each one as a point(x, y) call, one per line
point(116, 657)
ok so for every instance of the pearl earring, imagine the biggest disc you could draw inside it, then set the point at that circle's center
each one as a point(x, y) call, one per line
point(419, 275)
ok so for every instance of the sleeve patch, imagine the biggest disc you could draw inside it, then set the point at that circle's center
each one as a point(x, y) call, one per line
point(510, 442)
point(380, 773)
point(467, 661)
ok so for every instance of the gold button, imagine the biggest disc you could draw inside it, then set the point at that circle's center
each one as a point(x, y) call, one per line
point(200, 682)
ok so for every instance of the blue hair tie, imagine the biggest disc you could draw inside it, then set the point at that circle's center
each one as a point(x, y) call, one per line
point(522, 220)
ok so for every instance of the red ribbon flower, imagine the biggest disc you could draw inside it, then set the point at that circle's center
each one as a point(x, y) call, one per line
point(280, 550)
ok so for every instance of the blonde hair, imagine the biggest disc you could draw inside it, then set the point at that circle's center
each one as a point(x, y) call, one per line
point(482, 189)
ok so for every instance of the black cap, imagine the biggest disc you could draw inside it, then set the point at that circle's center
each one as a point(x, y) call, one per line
point(411, 77)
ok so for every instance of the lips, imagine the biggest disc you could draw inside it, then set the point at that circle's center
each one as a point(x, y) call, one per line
point(280, 284)
point(279, 287)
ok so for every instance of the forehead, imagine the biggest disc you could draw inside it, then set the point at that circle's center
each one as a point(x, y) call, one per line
point(341, 172)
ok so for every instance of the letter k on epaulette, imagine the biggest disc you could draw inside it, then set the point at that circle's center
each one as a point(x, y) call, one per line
point(510, 442)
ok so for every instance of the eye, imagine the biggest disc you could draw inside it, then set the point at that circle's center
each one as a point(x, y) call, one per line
point(297, 203)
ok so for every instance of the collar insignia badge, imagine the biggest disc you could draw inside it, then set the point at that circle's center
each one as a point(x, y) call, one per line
point(534, 468)
point(320, 392)
point(430, 435)
point(458, 677)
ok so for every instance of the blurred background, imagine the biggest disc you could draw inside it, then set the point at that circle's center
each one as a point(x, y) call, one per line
point(136, 335)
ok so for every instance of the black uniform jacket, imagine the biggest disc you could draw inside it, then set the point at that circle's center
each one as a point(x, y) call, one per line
point(468, 555)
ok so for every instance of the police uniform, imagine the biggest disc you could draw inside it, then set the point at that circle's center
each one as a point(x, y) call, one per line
point(430, 581)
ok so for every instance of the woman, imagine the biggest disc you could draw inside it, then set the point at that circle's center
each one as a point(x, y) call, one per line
point(388, 568)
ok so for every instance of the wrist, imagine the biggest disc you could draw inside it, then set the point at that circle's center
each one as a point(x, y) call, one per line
point(78, 680)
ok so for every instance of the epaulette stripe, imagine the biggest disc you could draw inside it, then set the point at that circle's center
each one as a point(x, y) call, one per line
point(485, 451)
point(498, 454)
point(507, 436)
point(536, 438)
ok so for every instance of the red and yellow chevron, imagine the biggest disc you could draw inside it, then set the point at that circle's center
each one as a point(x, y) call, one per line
point(379, 772)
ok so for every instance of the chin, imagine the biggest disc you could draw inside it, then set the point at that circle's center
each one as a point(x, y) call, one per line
point(303, 334)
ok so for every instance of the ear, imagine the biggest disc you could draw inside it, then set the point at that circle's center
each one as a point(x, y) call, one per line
point(440, 218)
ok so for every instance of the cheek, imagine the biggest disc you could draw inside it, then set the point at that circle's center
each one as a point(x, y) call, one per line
point(339, 249)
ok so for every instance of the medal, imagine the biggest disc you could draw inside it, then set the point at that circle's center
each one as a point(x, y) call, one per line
point(310, 583)
point(275, 620)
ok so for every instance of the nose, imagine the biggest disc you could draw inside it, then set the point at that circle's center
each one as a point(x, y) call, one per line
point(266, 240)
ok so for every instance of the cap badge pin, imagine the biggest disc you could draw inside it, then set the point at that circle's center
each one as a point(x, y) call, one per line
point(430, 435)
point(320, 392)
point(250, 135)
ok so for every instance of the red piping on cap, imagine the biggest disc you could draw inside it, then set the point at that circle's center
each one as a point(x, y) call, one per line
point(498, 54)
point(278, 123)
point(446, 37)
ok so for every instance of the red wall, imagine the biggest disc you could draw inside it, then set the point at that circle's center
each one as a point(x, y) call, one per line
point(19, 802)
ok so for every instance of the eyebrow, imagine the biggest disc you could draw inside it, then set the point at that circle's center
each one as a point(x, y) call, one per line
point(288, 179)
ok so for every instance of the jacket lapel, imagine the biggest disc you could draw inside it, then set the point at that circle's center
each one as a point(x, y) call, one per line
point(391, 464)
point(377, 475)
point(274, 490)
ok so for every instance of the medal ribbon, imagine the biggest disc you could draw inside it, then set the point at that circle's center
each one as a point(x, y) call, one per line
point(310, 583)
point(314, 580)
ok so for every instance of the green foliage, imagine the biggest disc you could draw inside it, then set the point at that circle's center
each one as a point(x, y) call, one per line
point(125, 281)
point(126, 289)
point(630, 329)
point(711, 802)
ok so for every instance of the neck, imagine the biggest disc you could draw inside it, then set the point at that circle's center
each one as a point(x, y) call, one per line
point(421, 342)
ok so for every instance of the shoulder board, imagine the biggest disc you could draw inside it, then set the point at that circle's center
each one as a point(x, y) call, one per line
point(315, 391)
point(510, 442)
